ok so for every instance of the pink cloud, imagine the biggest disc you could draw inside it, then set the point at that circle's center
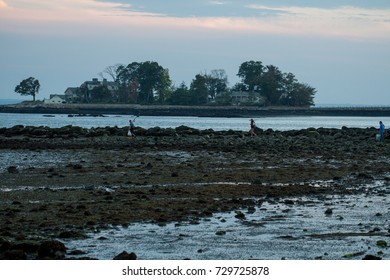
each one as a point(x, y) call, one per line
point(74, 17)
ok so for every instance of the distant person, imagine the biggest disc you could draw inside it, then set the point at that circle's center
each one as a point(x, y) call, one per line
point(382, 131)
point(131, 128)
point(253, 126)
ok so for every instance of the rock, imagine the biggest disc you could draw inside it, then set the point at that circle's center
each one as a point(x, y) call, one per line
point(381, 243)
point(240, 215)
point(371, 257)
point(51, 249)
point(40, 131)
point(15, 130)
point(185, 130)
point(72, 234)
point(12, 169)
point(289, 202)
point(4, 245)
point(13, 255)
point(77, 166)
point(26, 246)
point(352, 255)
point(220, 232)
point(329, 211)
point(125, 256)
point(312, 133)
point(154, 131)
point(364, 176)
point(77, 252)
point(251, 209)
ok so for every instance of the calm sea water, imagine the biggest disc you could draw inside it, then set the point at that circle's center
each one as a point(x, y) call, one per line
point(240, 124)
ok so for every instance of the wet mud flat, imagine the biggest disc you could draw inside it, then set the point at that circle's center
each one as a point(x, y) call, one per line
point(183, 193)
point(304, 228)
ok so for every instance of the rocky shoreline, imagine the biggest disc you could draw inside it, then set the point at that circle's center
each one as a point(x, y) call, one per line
point(60, 183)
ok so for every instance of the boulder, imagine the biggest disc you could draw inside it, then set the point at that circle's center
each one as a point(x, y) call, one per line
point(125, 256)
point(51, 249)
point(371, 257)
point(13, 255)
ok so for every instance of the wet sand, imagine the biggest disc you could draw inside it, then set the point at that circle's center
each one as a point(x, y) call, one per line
point(63, 184)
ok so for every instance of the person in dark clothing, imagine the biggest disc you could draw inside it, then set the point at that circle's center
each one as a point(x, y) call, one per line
point(382, 131)
point(131, 128)
point(253, 126)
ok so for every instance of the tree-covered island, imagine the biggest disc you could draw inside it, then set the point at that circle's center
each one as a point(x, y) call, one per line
point(149, 83)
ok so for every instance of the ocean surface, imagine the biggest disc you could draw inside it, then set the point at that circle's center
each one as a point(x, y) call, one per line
point(239, 124)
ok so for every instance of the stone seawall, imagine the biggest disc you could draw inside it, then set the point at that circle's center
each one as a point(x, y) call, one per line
point(200, 111)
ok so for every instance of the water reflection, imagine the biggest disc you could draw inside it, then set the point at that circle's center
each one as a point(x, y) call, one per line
point(272, 230)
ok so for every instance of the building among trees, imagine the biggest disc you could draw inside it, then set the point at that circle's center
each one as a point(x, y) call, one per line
point(93, 91)
point(55, 99)
point(149, 83)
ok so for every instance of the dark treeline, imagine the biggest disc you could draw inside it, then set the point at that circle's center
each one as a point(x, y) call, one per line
point(150, 83)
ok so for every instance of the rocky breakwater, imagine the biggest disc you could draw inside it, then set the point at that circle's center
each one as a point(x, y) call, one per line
point(60, 183)
point(29, 137)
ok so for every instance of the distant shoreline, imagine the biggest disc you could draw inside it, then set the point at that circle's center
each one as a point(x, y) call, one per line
point(199, 111)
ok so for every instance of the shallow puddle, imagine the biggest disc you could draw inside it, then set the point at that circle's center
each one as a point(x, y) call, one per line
point(35, 159)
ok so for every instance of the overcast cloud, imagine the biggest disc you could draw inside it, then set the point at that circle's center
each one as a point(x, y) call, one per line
point(342, 48)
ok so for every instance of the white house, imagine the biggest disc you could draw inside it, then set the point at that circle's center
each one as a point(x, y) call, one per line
point(242, 97)
point(55, 99)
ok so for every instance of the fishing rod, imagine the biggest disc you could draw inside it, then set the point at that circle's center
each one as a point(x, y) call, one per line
point(137, 116)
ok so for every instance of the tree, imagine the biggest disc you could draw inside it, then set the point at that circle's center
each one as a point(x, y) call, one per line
point(199, 90)
point(271, 84)
point(128, 80)
point(300, 95)
point(112, 71)
point(217, 82)
point(163, 87)
point(29, 86)
point(250, 73)
point(181, 96)
point(224, 98)
point(275, 87)
point(101, 94)
point(153, 80)
point(141, 82)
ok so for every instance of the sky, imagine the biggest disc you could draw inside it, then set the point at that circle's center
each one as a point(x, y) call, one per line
point(341, 48)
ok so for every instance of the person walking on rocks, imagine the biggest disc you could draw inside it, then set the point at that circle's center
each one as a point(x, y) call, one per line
point(382, 131)
point(131, 128)
point(253, 126)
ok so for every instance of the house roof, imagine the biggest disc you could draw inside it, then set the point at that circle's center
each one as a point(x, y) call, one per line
point(62, 96)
